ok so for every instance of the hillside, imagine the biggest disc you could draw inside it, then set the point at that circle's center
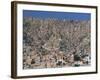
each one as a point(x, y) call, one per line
point(51, 43)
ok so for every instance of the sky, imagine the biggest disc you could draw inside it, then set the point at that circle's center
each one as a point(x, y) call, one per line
point(56, 15)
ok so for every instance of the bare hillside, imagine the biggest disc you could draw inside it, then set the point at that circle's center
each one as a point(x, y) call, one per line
point(52, 43)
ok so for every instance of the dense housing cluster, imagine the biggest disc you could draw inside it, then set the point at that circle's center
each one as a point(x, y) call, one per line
point(52, 43)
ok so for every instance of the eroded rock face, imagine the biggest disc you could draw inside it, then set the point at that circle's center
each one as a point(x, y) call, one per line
point(52, 43)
